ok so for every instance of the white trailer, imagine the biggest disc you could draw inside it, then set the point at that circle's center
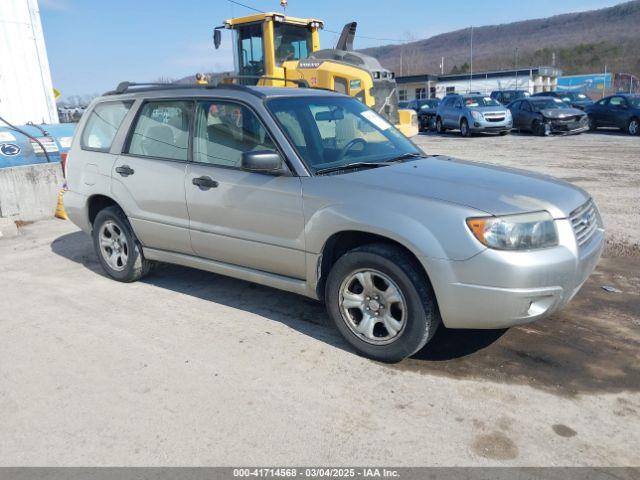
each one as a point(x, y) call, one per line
point(26, 90)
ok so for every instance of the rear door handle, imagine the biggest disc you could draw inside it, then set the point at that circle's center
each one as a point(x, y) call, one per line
point(125, 170)
point(204, 183)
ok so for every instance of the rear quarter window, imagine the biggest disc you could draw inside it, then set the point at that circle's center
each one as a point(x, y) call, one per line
point(102, 125)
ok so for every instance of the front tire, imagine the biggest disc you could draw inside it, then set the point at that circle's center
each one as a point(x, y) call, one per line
point(592, 125)
point(439, 127)
point(538, 128)
point(117, 247)
point(633, 127)
point(381, 302)
point(464, 128)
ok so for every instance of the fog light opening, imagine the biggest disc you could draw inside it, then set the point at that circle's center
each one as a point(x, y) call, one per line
point(539, 305)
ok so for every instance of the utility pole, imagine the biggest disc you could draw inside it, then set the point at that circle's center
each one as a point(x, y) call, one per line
point(442, 66)
point(471, 71)
point(515, 62)
point(604, 82)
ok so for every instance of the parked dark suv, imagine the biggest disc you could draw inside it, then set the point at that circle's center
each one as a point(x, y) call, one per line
point(505, 97)
point(426, 109)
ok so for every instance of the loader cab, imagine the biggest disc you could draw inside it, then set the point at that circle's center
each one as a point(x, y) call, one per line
point(264, 42)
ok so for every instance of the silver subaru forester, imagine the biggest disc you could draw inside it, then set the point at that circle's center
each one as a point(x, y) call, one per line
point(312, 192)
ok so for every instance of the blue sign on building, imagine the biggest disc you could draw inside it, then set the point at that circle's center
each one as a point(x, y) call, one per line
point(585, 83)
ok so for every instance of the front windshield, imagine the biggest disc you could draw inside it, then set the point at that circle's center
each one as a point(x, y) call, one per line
point(481, 102)
point(426, 104)
point(292, 42)
point(547, 103)
point(334, 131)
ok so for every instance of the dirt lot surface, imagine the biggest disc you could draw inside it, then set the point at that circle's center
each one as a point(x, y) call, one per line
point(190, 368)
point(606, 164)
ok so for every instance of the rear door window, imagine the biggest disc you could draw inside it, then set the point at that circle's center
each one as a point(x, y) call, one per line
point(162, 130)
point(102, 125)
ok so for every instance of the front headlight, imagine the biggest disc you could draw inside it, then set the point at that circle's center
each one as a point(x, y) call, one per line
point(476, 115)
point(515, 232)
point(508, 113)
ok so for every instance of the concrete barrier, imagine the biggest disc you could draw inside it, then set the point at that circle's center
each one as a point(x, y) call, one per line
point(30, 193)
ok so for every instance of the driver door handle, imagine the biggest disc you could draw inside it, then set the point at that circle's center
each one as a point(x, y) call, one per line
point(205, 183)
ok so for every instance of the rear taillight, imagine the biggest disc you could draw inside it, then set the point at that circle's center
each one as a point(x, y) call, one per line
point(63, 163)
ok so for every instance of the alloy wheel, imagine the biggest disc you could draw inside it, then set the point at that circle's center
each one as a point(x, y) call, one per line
point(373, 307)
point(634, 127)
point(114, 247)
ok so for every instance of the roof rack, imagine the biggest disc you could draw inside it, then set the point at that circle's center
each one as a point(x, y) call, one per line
point(300, 82)
point(129, 87)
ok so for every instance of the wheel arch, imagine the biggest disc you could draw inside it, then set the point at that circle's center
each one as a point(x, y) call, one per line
point(344, 241)
point(99, 202)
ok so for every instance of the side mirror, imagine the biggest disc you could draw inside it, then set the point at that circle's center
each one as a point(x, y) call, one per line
point(261, 161)
point(217, 38)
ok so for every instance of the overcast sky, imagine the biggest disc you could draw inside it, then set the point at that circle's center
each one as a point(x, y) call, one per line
point(94, 44)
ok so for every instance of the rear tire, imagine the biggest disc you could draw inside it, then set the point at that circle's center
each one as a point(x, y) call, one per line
point(117, 247)
point(394, 289)
point(633, 127)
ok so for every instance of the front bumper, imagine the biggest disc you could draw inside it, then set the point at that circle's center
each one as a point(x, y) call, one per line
point(487, 126)
point(500, 289)
point(427, 121)
point(75, 205)
point(560, 127)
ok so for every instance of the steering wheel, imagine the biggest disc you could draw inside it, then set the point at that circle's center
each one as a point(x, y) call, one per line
point(349, 146)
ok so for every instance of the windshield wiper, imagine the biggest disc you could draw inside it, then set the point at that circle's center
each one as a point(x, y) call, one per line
point(350, 166)
point(405, 156)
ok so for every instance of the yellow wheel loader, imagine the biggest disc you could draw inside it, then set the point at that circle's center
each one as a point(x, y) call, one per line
point(273, 49)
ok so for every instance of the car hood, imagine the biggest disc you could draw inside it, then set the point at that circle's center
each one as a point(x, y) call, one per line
point(491, 189)
point(499, 110)
point(561, 112)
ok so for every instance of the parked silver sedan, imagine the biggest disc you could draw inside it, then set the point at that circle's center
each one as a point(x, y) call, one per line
point(312, 192)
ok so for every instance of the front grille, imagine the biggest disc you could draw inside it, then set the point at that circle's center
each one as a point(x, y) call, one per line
point(494, 117)
point(584, 221)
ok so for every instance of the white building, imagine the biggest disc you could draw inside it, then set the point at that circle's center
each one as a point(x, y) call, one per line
point(533, 79)
point(26, 91)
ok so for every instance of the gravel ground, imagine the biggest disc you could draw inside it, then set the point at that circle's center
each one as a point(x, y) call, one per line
point(190, 368)
point(606, 164)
